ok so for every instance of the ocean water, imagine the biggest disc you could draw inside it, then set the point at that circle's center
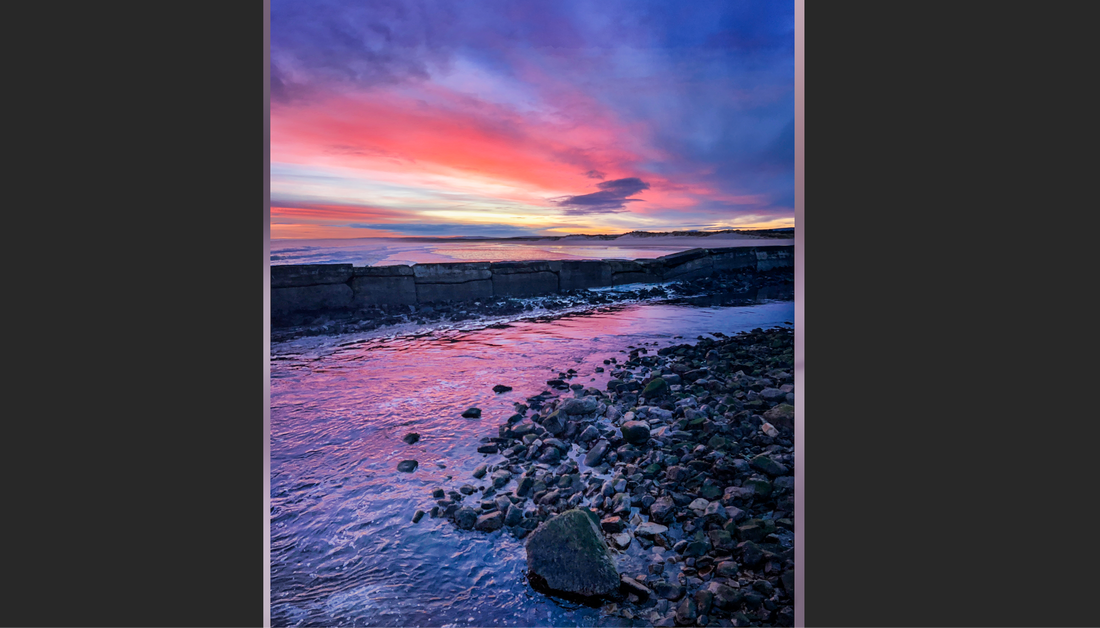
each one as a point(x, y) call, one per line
point(389, 251)
point(344, 550)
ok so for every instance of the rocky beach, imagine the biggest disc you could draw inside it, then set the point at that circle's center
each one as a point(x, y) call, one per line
point(597, 457)
point(666, 498)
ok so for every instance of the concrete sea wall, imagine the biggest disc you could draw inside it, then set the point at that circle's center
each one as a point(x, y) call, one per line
point(321, 288)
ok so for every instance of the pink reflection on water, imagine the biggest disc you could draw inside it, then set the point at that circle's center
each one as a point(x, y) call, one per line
point(341, 529)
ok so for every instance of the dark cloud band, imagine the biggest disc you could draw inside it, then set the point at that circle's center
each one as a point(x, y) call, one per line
point(612, 197)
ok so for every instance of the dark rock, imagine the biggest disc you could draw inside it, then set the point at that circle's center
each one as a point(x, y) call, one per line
point(567, 554)
point(773, 394)
point(490, 522)
point(590, 433)
point(630, 585)
point(703, 600)
point(472, 413)
point(584, 405)
point(726, 568)
point(417, 516)
point(686, 612)
point(596, 453)
point(663, 510)
point(411, 437)
point(668, 591)
point(408, 466)
point(500, 388)
point(766, 464)
point(740, 619)
point(555, 422)
point(678, 473)
point(465, 518)
point(550, 455)
point(500, 477)
point(514, 516)
point(438, 493)
point(751, 554)
point(753, 530)
point(636, 432)
point(781, 415)
point(479, 471)
point(721, 539)
point(488, 449)
point(762, 488)
point(764, 587)
point(525, 484)
point(612, 524)
point(727, 597)
point(697, 548)
point(521, 429)
point(655, 388)
point(787, 580)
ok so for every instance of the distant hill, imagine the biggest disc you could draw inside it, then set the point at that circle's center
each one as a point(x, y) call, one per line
point(785, 233)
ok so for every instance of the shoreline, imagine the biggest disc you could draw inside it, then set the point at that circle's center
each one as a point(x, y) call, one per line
point(687, 456)
point(729, 285)
point(733, 234)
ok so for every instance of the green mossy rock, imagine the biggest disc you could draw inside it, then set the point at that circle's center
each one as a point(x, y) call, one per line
point(655, 388)
point(567, 554)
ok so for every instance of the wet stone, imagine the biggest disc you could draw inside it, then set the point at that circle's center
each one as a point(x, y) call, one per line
point(636, 432)
point(612, 524)
point(407, 466)
point(686, 612)
point(668, 591)
point(500, 477)
point(490, 522)
point(514, 516)
point(465, 518)
point(632, 586)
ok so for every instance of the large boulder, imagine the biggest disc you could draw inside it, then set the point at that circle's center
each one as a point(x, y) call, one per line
point(567, 554)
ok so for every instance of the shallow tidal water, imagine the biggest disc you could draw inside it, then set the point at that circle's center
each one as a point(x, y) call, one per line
point(344, 550)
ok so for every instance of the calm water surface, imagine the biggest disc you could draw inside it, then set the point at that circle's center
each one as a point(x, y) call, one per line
point(344, 551)
point(386, 251)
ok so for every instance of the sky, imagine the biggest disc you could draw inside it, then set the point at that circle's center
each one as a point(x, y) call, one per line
point(501, 119)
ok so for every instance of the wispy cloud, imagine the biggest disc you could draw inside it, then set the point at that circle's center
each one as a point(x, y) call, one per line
point(517, 109)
